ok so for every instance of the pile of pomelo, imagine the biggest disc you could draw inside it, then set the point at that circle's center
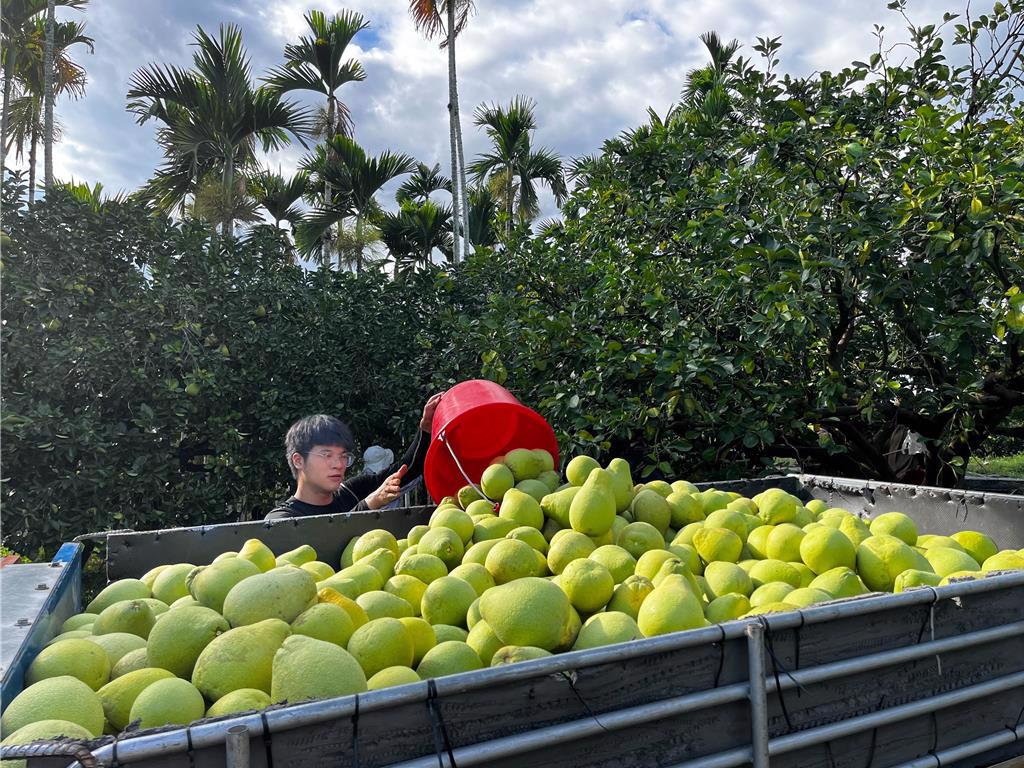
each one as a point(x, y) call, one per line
point(554, 567)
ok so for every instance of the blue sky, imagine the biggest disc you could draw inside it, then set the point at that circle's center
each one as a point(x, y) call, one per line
point(593, 66)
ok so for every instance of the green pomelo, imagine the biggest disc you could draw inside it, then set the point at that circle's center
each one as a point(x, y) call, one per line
point(170, 584)
point(881, 558)
point(784, 541)
point(895, 524)
point(423, 636)
point(381, 643)
point(325, 621)
point(607, 628)
point(558, 504)
point(730, 519)
point(453, 519)
point(670, 608)
point(258, 553)
point(448, 658)
point(803, 597)
point(727, 578)
point(210, 584)
point(529, 611)
point(617, 560)
point(444, 544)
point(371, 541)
point(823, 549)
point(568, 546)
point(630, 595)
point(282, 594)
point(587, 584)
point(116, 592)
point(76, 658)
point(177, 640)
point(766, 571)
point(912, 578)
point(717, 544)
point(513, 654)
point(483, 641)
point(945, 560)
point(510, 559)
point(392, 676)
point(55, 698)
point(423, 567)
point(242, 700)
point(447, 600)
point(119, 695)
point(476, 575)
point(133, 617)
point(130, 662)
point(593, 508)
point(78, 621)
point(639, 537)
point(579, 468)
point(239, 658)
point(496, 480)
point(757, 541)
point(772, 592)
point(307, 668)
point(977, 545)
point(168, 702)
point(117, 644)
point(298, 557)
point(408, 588)
point(728, 607)
point(840, 582)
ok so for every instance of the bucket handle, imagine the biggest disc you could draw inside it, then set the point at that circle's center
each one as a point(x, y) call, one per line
point(478, 489)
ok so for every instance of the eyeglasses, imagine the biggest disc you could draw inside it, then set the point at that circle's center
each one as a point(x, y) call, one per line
point(344, 458)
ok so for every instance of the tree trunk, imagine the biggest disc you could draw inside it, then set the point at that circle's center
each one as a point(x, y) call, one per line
point(229, 191)
point(327, 155)
point(509, 193)
point(5, 117)
point(453, 88)
point(33, 141)
point(453, 119)
point(48, 96)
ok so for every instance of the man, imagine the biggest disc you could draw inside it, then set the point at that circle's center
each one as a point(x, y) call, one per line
point(319, 449)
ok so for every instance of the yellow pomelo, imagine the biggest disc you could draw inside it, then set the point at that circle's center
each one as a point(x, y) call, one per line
point(529, 611)
point(444, 544)
point(775, 506)
point(447, 600)
point(423, 636)
point(670, 608)
point(119, 695)
point(959, 576)
point(806, 575)
point(945, 560)
point(307, 668)
point(895, 524)
point(77, 658)
point(579, 468)
point(496, 480)
point(684, 508)
point(977, 545)
point(929, 540)
point(408, 588)
point(531, 536)
point(510, 559)
point(282, 594)
point(382, 560)
point(298, 557)
point(513, 654)
point(483, 640)
point(177, 640)
point(816, 506)
point(172, 582)
point(557, 505)
point(536, 489)
point(167, 702)
point(805, 596)
point(687, 532)
point(55, 698)
point(424, 567)
point(131, 661)
point(728, 607)
point(911, 578)
point(476, 575)
point(242, 700)
point(454, 519)
point(630, 595)
point(448, 658)
point(116, 592)
point(379, 604)
point(607, 628)
point(824, 548)
point(639, 537)
point(772, 592)
point(757, 541)
point(840, 582)
point(881, 558)
point(617, 560)
point(490, 527)
point(371, 541)
point(116, 644)
point(239, 658)
point(467, 495)
point(649, 506)
point(258, 553)
point(131, 616)
point(784, 541)
point(210, 584)
point(730, 519)
point(445, 632)
point(47, 730)
point(727, 578)
point(650, 562)
point(1007, 560)
point(587, 584)
point(568, 546)
point(717, 544)
point(325, 621)
point(622, 483)
point(524, 463)
point(776, 607)
point(78, 621)
point(381, 643)
point(592, 510)
point(766, 571)
point(392, 676)
point(351, 607)
point(318, 569)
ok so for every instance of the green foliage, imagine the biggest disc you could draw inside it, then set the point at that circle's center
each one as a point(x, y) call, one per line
point(149, 377)
point(1000, 466)
point(803, 268)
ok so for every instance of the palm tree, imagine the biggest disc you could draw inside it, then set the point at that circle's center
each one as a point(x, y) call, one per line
point(423, 183)
point(426, 15)
point(355, 179)
point(48, 96)
point(315, 64)
point(92, 197)
point(26, 123)
point(412, 234)
point(512, 167)
point(213, 117)
point(706, 91)
point(482, 215)
point(17, 42)
point(278, 195)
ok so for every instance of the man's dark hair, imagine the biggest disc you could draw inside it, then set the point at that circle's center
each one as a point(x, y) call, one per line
point(320, 429)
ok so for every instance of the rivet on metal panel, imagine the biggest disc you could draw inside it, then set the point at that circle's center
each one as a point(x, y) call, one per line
point(22, 623)
point(42, 587)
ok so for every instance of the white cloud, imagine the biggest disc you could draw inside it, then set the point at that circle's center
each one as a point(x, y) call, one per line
point(593, 66)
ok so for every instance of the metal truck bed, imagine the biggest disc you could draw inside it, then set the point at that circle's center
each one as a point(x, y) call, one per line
point(929, 677)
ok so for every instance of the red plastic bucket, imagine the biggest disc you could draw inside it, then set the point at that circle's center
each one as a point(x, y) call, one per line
point(479, 420)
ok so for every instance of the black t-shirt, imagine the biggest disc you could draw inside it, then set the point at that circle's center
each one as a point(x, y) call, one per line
point(351, 496)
